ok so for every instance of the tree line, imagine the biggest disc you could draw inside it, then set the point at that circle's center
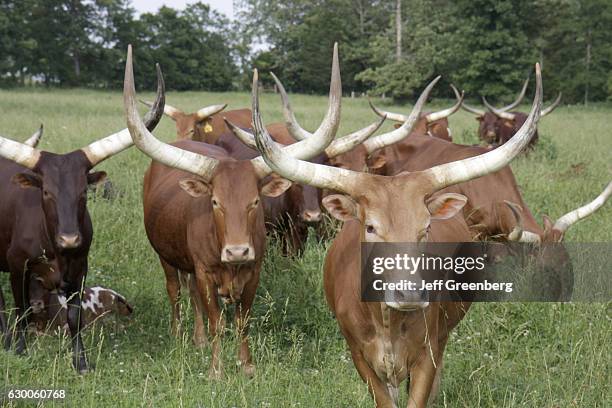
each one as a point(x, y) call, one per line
point(390, 47)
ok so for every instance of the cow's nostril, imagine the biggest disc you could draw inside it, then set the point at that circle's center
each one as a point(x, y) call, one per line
point(245, 252)
point(68, 240)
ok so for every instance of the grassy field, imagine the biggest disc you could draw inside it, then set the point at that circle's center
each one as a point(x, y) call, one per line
point(502, 355)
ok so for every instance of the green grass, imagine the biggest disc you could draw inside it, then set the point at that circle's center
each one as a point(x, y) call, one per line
point(501, 355)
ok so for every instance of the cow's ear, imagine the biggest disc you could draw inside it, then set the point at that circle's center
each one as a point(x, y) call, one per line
point(445, 206)
point(341, 207)
point(377, 160)
point(194, 187)
point(275, 187)
point(26, 180)
point(96, 177)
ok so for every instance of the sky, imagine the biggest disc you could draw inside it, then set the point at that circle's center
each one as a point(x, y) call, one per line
point(143, 6)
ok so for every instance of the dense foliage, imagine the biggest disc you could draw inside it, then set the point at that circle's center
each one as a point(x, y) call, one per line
point(484, 46)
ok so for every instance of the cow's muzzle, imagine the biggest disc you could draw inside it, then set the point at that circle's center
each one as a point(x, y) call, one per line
point(311, 216)
point(407, 300)
point(237, 254)
point(68, 241)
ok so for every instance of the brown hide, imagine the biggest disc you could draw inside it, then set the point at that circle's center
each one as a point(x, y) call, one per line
point(191, 234)
point(416, 336)
point(189, 126)
point(294, 211)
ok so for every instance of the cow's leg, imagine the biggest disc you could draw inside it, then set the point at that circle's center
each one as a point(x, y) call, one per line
point(3, 317)
point(199, 336)
point(75, 280)
point(422, 375)
point(243, 314)
point(20, 294)
point(173, 287)
point(216, 324)
point(378, 389)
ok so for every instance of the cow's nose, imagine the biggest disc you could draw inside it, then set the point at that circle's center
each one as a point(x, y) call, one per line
point(311, 216)
point(68, 241)
point(237, 254)
point(37, 305)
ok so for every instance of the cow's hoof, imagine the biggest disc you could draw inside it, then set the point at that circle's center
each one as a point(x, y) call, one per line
point(82, 367)
point(8, 340)
point(248, 369)
point(215, 373)
point(200, 342)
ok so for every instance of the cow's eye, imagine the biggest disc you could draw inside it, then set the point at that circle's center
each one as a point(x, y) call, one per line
point(46, 194)
point(255, 203)
point(215, 203)
point(370, 229)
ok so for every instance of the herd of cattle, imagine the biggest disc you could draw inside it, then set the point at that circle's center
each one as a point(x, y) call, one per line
point(211, 197)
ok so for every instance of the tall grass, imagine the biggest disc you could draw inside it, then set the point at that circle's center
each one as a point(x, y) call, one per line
point(501, 355)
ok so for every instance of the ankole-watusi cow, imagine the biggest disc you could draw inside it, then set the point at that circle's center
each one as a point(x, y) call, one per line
point(203, 214)
point(392, 340)
point(291, 213)
point(498, 125)
point(45, 228)
point(205, 125)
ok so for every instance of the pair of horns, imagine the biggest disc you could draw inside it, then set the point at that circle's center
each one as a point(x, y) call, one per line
point(438, 177)
point(205, 166)
point(201, 114)
point(27, 155)
point(563, 223)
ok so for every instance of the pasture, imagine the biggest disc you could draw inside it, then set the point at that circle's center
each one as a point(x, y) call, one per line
point(501, 355)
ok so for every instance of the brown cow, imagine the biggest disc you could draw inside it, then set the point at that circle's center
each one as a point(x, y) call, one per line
point(45, 228)
point(298, 208)
point(205, 125)
point(434, 124)
point(391, 340)
point(497, 126)
point(203, 214)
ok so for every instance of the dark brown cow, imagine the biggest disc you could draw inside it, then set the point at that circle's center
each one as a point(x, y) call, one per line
point(403, 336)
point(203, 215)
point(207, 124)
point(45, 228)
point(497, 126)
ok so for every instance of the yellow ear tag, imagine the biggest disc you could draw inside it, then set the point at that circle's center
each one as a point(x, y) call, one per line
point(208, 128)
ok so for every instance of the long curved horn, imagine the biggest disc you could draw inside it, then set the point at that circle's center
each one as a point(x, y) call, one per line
point(33, 140)
point(336, 148)
point(431, 117)
point(333, 109)
point(169, 110)
point(294, 169)
point(389, 138)
point(467, 169)
point(209, 111)
point(498, 112)
point(552, 107)
point(466, 107)
point(518, 234)
point(566, 221)
point(148, 144)
point(396, 117)
point(518, 100)
point(20, 153)
point(104, 148)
